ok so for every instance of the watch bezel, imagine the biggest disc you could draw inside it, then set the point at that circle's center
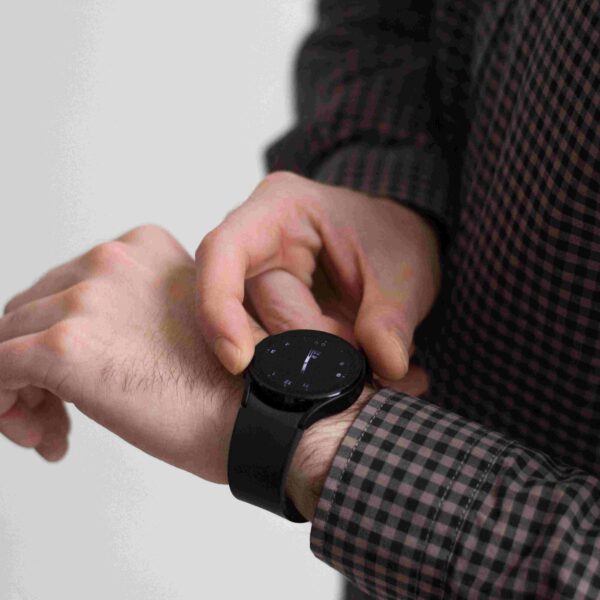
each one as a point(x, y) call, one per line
point(321, 407)
point(318, 404)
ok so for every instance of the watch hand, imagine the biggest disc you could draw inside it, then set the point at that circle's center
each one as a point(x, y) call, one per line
point(311, 354)
point(305, 362)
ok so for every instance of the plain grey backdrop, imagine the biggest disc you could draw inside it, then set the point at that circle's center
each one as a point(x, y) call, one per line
point(115, 113)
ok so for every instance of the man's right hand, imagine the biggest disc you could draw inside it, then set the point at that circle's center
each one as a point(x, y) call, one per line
point(301, 254)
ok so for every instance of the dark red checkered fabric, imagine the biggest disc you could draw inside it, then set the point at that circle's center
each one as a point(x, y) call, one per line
point(485, 116)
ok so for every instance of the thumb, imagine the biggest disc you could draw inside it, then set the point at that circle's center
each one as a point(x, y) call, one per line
point(384, 329)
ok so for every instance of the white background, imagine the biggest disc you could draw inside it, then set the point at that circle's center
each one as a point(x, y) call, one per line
point(115, 113)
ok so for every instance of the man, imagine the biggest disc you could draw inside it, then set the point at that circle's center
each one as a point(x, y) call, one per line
point(461, 135)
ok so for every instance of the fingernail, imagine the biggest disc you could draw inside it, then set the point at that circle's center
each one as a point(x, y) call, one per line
point(402, 338)
point(401, 358)
point(228, 353)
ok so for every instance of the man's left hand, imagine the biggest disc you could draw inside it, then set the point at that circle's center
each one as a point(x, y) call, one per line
point(113, 332)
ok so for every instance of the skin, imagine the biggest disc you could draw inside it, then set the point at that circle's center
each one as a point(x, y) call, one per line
point(113, 332)
point(301, 254)
point(126, 331)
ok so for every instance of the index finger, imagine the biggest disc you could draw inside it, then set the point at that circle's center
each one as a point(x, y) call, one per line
point(250, 241)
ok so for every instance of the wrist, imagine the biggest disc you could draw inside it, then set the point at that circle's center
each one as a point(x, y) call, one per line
point(315, 453)
point(231, 408)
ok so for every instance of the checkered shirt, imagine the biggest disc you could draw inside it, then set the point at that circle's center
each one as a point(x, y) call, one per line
point(484, 115)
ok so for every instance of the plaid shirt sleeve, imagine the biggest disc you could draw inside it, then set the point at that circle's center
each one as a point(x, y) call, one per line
point(363, 118)
point(421, 503)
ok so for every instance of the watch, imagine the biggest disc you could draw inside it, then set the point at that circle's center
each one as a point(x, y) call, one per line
point(294, 379)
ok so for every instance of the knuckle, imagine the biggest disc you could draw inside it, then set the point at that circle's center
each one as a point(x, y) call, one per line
point(149, 230)
point(151, 234)
point(288, 190)
point(283, 178)
point(79, 297)
point(281, 185)
point(211, 240)
point(106, 256)
point(61, 339)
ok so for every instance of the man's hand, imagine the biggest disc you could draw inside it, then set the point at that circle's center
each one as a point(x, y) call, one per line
point(114, 332)
point(301, 254)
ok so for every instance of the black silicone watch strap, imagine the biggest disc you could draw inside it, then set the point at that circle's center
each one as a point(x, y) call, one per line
point(262, 445)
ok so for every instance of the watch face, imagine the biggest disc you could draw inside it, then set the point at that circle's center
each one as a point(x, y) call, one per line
point(304, 366)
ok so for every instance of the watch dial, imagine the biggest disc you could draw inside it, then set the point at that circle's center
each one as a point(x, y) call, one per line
point(305, 364)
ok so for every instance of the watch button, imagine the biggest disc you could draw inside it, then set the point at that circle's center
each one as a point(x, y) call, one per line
point(245, 396)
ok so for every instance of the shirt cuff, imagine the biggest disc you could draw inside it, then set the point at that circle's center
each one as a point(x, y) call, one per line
point(397, 495)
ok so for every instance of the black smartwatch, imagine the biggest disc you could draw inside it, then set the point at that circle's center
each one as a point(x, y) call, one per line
point(294, 379)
